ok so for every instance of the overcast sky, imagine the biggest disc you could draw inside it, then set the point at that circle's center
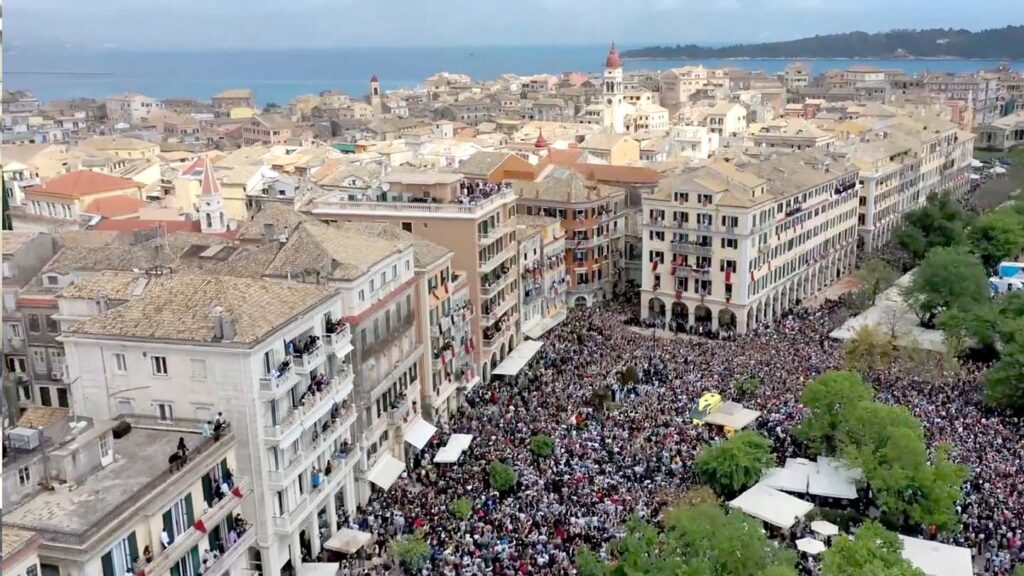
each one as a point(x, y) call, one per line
point(260, 24)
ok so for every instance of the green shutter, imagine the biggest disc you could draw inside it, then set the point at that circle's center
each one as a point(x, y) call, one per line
point(195, 559)
point(133, 549)
point(108, 564)
point(189, 513)
point(169, 525)
point(207, 489)
point(175, 570)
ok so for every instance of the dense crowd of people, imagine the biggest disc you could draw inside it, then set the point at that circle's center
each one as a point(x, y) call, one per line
point(611, 464)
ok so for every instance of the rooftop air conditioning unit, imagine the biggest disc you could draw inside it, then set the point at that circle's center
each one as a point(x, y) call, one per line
point(24, 438)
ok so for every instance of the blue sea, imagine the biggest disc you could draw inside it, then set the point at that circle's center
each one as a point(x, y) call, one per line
point(277, 76)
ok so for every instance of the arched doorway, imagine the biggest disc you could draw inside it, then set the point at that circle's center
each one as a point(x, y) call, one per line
point(702, 316)
point(504, 351)
point(726, 320)
point(580, 302)
point(680, 317)
point(656, 310)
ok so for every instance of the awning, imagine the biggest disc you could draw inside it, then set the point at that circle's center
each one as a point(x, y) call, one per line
point(347, 541)
point(936, 559)
point(518, 358)
point(732, 415)
point(386, 471)
point(824, 528)
point(419, 432)
point(770, 505)
point(450, 453)
point(810, 546)
point(540, 327)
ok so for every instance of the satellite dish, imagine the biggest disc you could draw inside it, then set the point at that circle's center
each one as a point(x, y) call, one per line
point(385, 186)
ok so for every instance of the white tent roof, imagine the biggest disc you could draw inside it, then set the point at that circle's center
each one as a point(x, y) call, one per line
point(518, 358)
point(460, 441)
point(318, 569)
point(540, 327)
point(347, 541)
point(774, 507)
point(732, 415)
point(386, 471)
point(419, 432)
point(825, 528)
point(810, 546)
point(833, 479)
point(785, 479)
point(936, 559)
point(450, 453)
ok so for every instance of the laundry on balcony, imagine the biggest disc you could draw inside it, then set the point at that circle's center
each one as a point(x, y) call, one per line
point(419, 432)
point(386, 471)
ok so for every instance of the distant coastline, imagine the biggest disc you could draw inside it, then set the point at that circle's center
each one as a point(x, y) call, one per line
point(818, 58)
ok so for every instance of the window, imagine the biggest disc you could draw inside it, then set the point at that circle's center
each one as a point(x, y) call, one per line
point(120, 363)
point(394, 271)
point(198, 369)
point(24, 476)
point(160, 365)
point(15, 330)
point(62, 398)
point(121, 556)
point(407, 226)
point(362, 295)
point(34, 326)
point(165, 411)
point(44, 396)
point(52, 280)
point(106, 446)
point(39, 361)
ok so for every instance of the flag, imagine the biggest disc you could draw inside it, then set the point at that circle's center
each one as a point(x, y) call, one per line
point(200, 526)
point(654, 266)
point(728, 275)
point(236, 491)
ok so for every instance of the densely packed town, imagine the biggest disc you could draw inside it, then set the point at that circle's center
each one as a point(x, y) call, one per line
point(323, 321)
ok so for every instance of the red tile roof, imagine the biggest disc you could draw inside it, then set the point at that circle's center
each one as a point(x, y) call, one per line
point(137, 224)
point(116, 206)
point(617, 174)
point(83, 183)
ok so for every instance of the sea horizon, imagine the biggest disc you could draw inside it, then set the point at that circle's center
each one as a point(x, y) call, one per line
point(280, 75)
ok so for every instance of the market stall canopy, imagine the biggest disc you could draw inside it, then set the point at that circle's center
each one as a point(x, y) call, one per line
point(347, 541)
point(450, 453)
point(770, 505)
point(419, 432)
point(732, 415)
point(827, 477)
point(936, 559)
point(518, 358)
point(825, 528)
point(386, 471)
point(810, 546)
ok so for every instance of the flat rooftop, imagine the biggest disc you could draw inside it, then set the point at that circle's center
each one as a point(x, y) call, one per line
point(140, 460)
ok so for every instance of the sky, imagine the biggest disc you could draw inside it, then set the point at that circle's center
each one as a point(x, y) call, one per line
point(276, 24)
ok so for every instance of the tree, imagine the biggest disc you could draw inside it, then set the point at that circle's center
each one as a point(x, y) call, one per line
point(873, 550)
point(876, 276)
point(747, 387)
point(868, 349)
point(629, 376)
point(696, 540)
point(461, 508)
point(735, 464)
point(503, 477)
point(940, 222)
point(947, 278)
point(542, 445)
point(998, 235)
point(828, 397)
point(1004, 382)
point(411, 551)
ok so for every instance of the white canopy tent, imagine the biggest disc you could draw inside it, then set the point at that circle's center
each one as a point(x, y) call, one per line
point(419, 432)
point(936, 559)
point(518, 358)
point(810, 546)
point(833, 479)
point(318, 569)
point(785, 479)
point(348, 541)
point(770, 505)
point(386, 471)
point(452, 451)
point(824, 528)
point(732, 415)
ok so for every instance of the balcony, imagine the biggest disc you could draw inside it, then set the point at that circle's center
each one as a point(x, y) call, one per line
point(400, 414)
point(390, 336)
point(495, 287)
point(232, 554)
point(579, 243)
point(493, 234)
point(497, 336)
point(313, 407)
point(307, 361)
point(335, 203)
point(289, 522)
point(339, 342)
point(688, 248)
point(497, 311)
point(163, 561)
point(493, 262)
point(277, 479)
point(688, 272)
point(273, 385)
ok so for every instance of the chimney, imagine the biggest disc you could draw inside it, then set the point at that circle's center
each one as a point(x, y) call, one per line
point(218, 322)
point(230, 331)
point(269, 232)
point(102, 303)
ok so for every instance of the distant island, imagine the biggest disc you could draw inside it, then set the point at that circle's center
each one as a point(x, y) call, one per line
point(995, 44)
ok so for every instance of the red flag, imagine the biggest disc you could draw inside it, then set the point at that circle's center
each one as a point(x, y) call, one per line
point(200, 526)
point(654, 266)
point(237, 492)
point(728, 275)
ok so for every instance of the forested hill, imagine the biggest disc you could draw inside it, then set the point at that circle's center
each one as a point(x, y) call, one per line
point(996, 44)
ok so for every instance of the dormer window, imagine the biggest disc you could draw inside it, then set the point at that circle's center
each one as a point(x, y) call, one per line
point(52, 280)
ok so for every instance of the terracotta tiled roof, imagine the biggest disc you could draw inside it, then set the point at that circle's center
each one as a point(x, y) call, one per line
point(83, 183)
point(42, 416)
point(115, 206)
point(618, 174)
point(137, 224)
point(13, 240)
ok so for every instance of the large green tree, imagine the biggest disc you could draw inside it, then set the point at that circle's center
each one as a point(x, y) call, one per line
point(411, 551)
point(998, 235)
point(940, 222)
point(695, 540)
point(503, 478)
point(947, 278)
point(873, 550)
point(1004, 382)
point(868, 349)
point(735, 464)
point(875, 276)
point(827, 398)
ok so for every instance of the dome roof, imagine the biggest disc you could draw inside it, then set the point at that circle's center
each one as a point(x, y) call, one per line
point(374, 78)
point(541, 142)
point(613, 60)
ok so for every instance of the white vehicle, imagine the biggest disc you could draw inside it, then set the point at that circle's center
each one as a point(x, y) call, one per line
point(1002, 285)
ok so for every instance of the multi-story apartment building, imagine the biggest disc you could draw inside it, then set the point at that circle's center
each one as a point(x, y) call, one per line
point(130, 108)
point(474, 219)
point(982, 92)
point(731, 246)
point(274, 358)
point(791, 134)
point(233, 98)
point(103, 501)
point(593, 217)
point(542, 259)
point(267, 130)
point(24, 255)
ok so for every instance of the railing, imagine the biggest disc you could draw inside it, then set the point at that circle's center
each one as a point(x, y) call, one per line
point(280, 476)
point(496, 287)
point(309, 404)
point(231, 554)
point(284, 523)
point(587, 288)
point(307, 361)
point(186, 540)
point(494, 233)
point(701, 273)
point(398, 415)
point(492, 262)
point(496, 313)
point(688, 248)
point(272, 384)
point(327, 205)
point(390, 337)
point(579, 243)
point(531, 298)
point(339, 337)
point(496, 338)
